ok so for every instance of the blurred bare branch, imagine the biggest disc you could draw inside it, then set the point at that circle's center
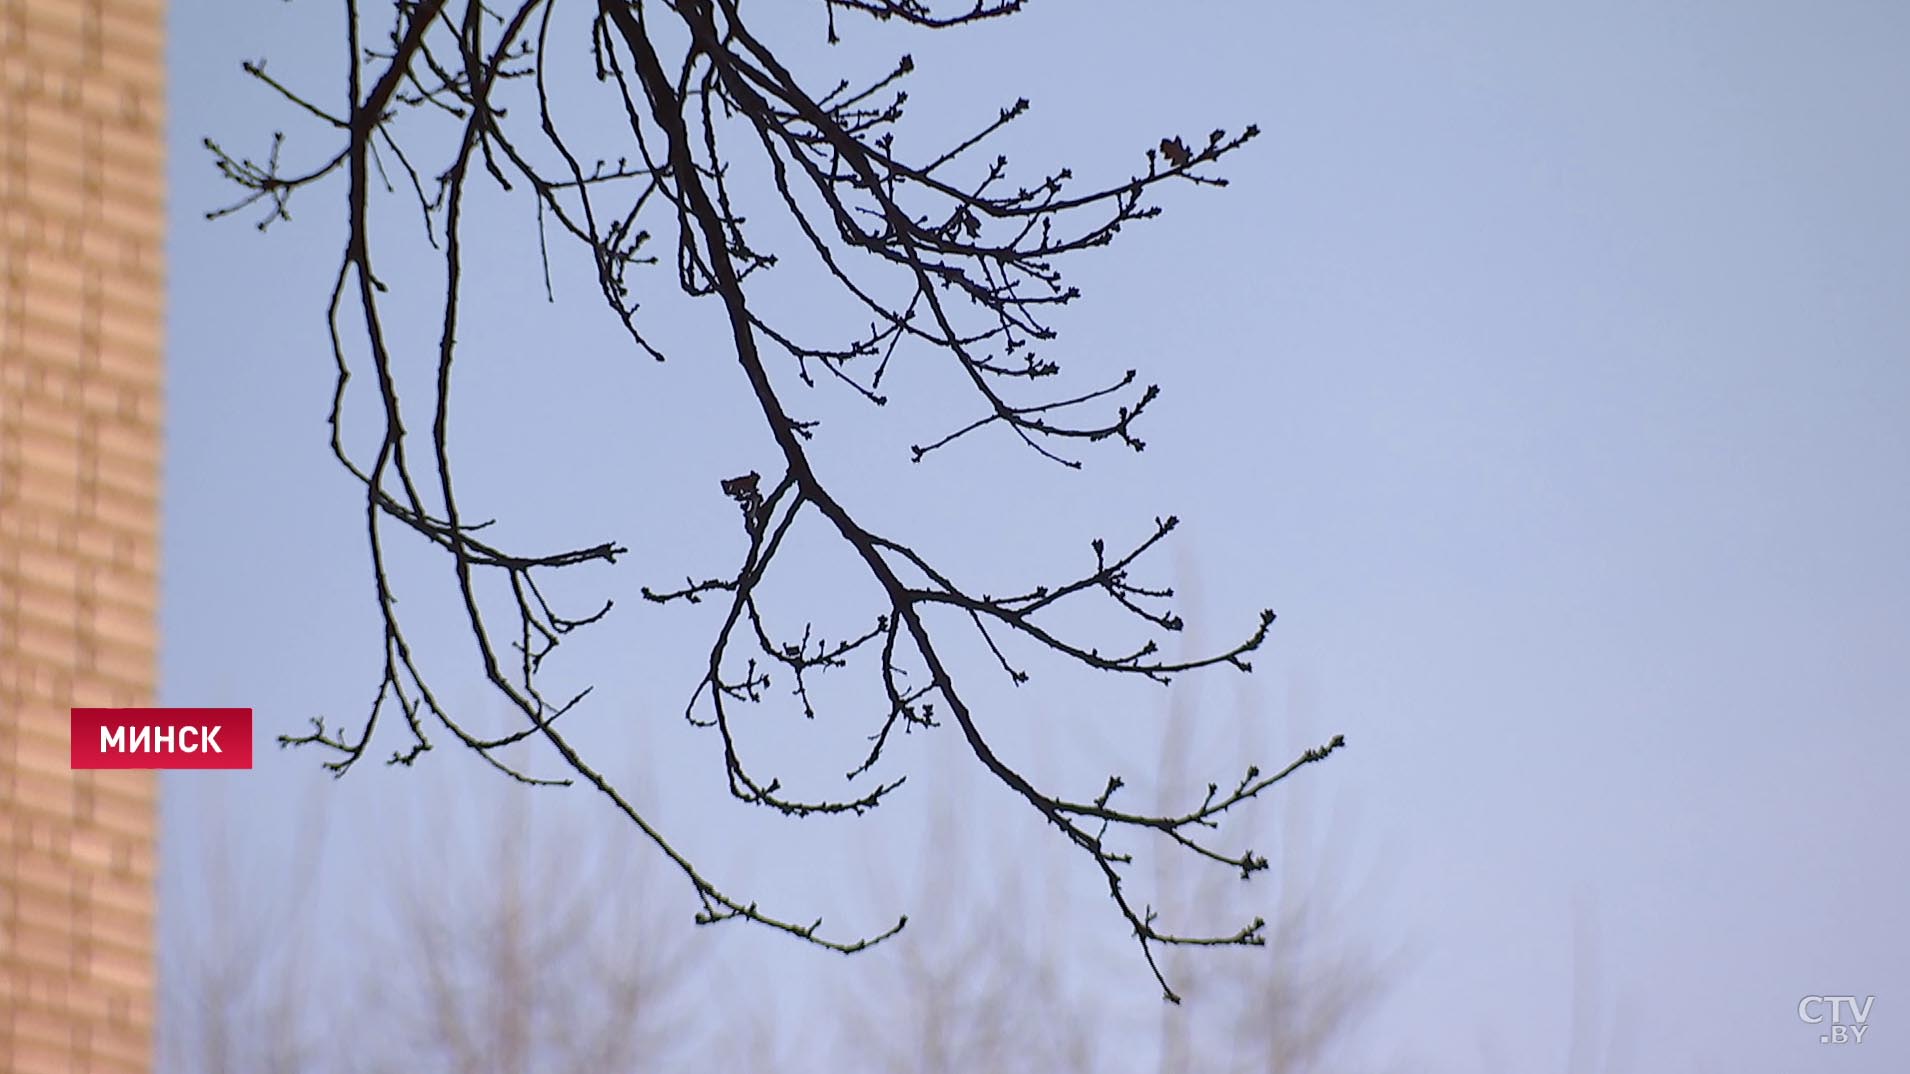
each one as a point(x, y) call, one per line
point(981, 992)
point(519, 941)
point(235, 958)
point(530, 945)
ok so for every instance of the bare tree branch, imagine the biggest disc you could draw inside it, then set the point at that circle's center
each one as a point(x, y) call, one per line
point(947, 257)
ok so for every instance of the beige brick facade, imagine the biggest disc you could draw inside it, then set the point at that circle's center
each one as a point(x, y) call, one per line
point(82, 96)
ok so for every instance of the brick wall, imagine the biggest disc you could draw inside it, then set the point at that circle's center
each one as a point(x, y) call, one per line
point(81, 299)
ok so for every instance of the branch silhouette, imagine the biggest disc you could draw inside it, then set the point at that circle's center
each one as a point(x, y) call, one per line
point(946, 255)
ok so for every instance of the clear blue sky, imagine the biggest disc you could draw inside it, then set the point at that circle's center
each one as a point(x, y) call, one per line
point(1547, 370)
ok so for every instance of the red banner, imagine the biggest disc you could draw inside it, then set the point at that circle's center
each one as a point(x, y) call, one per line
point(162, 738)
